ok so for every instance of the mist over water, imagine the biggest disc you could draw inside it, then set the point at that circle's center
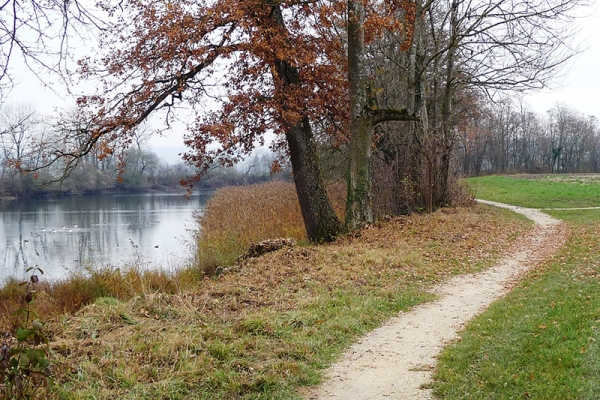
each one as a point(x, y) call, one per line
point(73, 233)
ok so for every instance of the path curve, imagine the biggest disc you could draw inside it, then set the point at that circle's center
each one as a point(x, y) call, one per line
point(393, 361)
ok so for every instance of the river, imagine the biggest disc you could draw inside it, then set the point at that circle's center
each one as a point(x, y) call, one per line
point(74, 233)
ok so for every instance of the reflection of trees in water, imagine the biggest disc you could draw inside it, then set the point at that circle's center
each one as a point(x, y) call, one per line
point(11, 257)
point(72, 233)
point(14, 257)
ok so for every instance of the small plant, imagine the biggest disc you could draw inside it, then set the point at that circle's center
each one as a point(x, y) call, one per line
point(25, 371)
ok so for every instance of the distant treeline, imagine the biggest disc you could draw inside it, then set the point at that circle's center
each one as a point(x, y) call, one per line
point(143, 171)
point(23, 132)
point(506, 137)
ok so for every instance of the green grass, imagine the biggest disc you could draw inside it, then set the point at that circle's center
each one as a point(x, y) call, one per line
point(576, 216)
point(541, 341)
point(542, 192)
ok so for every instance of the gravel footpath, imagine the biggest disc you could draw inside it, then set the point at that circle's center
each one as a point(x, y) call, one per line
point(393, 361)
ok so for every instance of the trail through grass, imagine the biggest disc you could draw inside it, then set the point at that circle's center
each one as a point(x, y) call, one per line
point(543, 340)
point(273, 324)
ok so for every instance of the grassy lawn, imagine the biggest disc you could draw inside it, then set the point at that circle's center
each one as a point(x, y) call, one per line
point(542, 340)
point(544, 191)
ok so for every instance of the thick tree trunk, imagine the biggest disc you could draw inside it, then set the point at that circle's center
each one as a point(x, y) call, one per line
point(320, 220)
point(358, 203)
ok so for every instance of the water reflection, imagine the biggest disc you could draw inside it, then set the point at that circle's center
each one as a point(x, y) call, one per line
point(72, 233)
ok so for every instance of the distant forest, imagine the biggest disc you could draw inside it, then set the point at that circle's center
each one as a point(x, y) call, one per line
point(502, 137)
point(506, 137)
point(21, 129)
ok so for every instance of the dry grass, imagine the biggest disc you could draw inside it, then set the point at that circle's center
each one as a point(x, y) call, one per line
point(69, 295)
point(235, 218)
point(239, 216)
point(272, 324)
point(584, 178)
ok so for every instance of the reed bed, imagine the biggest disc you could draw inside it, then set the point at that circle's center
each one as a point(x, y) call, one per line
point(238, 216)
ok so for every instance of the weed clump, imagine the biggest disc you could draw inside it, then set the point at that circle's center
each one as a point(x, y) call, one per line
point(25, 370)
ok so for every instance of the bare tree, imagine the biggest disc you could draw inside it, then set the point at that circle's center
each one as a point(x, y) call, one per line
point(36, 31)
point(519, 140)
point(462, 51)
point(19, 131)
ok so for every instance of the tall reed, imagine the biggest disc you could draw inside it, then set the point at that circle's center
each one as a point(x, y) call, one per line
point(239, 216)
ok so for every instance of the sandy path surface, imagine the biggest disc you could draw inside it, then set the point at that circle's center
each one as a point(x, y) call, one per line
point(393, 361)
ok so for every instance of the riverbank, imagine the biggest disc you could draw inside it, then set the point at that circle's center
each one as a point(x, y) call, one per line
point(87, 187)
point(270, 325)
point(100, 192)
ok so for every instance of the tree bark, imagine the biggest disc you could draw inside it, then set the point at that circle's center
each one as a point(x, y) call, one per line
point(320, 220)
point(442, 186)
point(358, 203)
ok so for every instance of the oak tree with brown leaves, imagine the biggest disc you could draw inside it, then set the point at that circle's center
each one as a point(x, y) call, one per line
point(246, 68)
point(300, 68)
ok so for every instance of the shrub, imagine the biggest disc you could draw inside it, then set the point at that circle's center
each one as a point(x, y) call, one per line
point(25, 370)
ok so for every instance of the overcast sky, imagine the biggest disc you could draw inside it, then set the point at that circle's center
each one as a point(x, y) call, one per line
point(579, 88)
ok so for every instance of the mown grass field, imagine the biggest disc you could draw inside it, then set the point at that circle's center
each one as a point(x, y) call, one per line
point(539, 191)
point(268, 327)
point(541, 341)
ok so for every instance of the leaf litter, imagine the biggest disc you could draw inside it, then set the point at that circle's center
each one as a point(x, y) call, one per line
point(271, 323)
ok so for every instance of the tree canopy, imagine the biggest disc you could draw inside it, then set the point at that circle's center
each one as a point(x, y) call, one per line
point(301, 70)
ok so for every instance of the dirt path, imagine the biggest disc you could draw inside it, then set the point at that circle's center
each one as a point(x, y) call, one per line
point(393, 361)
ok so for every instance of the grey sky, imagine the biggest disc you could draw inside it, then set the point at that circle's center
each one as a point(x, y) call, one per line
point(578, 89)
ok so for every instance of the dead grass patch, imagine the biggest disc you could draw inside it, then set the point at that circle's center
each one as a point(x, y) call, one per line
point(584, 179)
point(236, 217)
point(69, 295)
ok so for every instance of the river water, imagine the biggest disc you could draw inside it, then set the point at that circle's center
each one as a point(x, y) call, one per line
point(73, 233)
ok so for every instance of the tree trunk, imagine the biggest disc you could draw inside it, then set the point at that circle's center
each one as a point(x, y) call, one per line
point(320, 220)
point(358, 203)
point(442, 196)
